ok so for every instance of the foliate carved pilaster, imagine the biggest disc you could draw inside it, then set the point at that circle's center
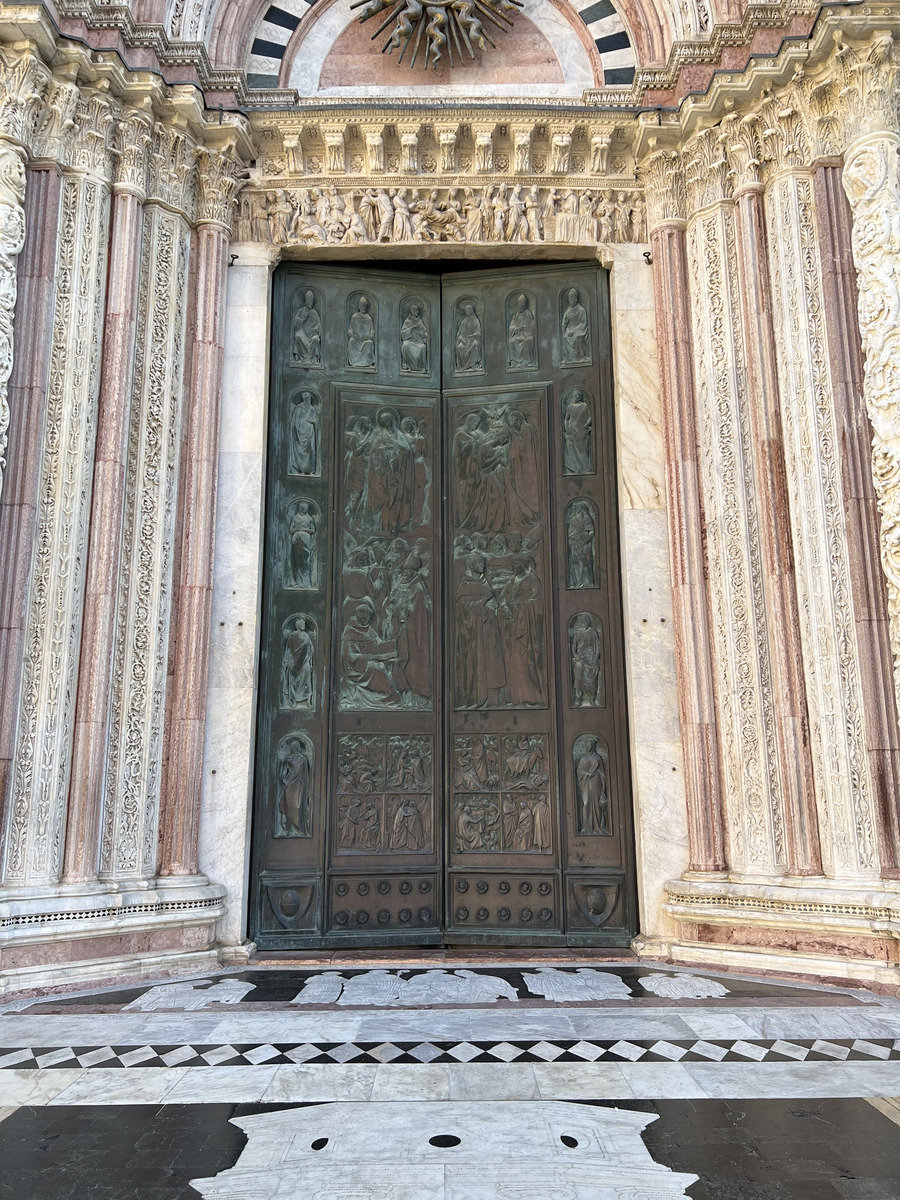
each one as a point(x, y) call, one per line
point(707, 172)
point(871, 180)
point(131, 152)
point(25, 84)
point(12, 239)
point(665, 190)
point(219, 179)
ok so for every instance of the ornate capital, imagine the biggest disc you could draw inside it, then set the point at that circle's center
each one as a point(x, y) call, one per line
point(219, 179)
point(94, 118)
point(25, 84)
point(130, 151)
point(869, 85)
point(783, 131)
point(665, 190)
point(707, 172)
point(742, 143)
point(171, 166)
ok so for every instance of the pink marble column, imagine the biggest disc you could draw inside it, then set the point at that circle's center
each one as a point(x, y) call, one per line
point(27, 398)
point(690, 600)
point(795, 759)
point(186, 713)
point(96, 663)
point(834, 224)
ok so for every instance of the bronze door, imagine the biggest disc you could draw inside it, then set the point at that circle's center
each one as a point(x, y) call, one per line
point(442, 754)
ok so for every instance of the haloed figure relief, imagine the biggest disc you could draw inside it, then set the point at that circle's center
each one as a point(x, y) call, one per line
point(302, 566)
point(586, 651)
point(469, 340)
point(591, 785)
point(295, 775)
point(361, 348)
point(581, 545)
point(298, 664)
point(303, 455)
point(578, 433)
point(387, 472)
point(574, 330)
point(521, 341)
point(306, 349)
point(414, 337)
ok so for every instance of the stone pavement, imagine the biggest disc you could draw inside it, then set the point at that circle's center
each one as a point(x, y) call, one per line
point(464, 1081)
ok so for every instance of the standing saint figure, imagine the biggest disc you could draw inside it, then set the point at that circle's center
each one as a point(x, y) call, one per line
point(480, 667)
point(469, 349)
point(586, 648)
point(307, 333)
point(520, 339)
point(581, 537)
point(578, 428)
point(590, 777)
point(298, 666)
point(576, 338)
point(407, 831)
point(304, 445)
point(361, 336)
point(414, 342)
point(294, 785)
point(303, 557)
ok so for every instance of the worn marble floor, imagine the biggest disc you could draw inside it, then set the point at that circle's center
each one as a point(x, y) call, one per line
point(462, 1081)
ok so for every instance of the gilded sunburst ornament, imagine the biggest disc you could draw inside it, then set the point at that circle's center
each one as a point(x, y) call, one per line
point(435, 26)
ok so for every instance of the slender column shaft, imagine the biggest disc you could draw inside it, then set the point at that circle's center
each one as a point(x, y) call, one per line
point(785, 650)
point(27, 398)
point(180, 814)
point(95, 676)
point(686, 534)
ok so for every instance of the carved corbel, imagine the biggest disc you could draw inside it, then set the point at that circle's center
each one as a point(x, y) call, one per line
point(447, 137)
point(409, 149)
point(560, 152)
point(293, 152)
point(333, 137)
point(665, 190)
point(374, 139)
point(522, 149)
point(484, 148)
point(600, 143)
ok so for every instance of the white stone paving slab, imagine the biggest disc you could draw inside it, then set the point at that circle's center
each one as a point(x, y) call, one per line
point(205, 1085)
point(317, 1081)
point(100, 1085)
point(761, 1080)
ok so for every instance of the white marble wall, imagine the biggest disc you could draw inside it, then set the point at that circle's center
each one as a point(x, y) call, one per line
point(660, 814)
point(660, 818)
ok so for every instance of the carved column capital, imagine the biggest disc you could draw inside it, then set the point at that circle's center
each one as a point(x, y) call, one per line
point(90, 149)
point(171, 166)
point(130, 153)
point(742, 143)
point(707, 173)
point(784, 132)
point(220, 176)
point(25, 84)
point(869, 90)
point(665, 191)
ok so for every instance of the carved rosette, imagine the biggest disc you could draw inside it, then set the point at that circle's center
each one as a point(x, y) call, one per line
point(872, 183)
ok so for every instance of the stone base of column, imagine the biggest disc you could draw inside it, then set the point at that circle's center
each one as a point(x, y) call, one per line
point(62, 936)
point(800, 927)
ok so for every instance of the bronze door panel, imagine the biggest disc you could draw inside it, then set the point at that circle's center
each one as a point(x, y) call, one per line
point(442, 753)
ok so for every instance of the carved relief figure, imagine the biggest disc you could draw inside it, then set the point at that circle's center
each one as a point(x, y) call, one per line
point(359, 825)
point(469, 346)
point(586, 654)
point(406, 827)
point(521, 349)
point(414, 340)
point(416, 435)
point(479, 660)
point(590, 761)
point(476, 822)
point(303, 456)
point(523, 761)
point(387, 473)
point(298, 664)
point(361, 337)
point(307, 333)
point(578, 433)
point(522, 608)
point(360, 763)
point(495, 464)
point(302, 565)
point(409, 764)
point(581, 545)
point(370, 672)
point(295, 768)
point(476, 763)
point(574, 330)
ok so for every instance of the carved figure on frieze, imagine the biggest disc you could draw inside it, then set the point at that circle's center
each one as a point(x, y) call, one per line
point(581, 545)
point(294, 764)
point(574, 330)
point(380, 477)
point(524, 761)
point(305, 225)
point(360, 763)
point(590, 759)
point(408, 824)
point(306, 331)
point(280, 214)
point(301, 567)
point(586, 655)
point(516, 221)
point(298, 663)
point(469, 339)
point(534, 215)
point(521, 339)
point(476, 824)
point(414, 336)
point(526, 825)
point(359, 825)
point(476, 765)
point(361, 347)
point(578, 433)
point(303, 447)
point(409, 763)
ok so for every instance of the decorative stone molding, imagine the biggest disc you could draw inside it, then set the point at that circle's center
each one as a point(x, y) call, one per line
point(12, 239)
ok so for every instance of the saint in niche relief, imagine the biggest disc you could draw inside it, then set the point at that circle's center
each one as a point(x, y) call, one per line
point(387, 471)
point(521, 337)
point(578, 433)
point(586, 653)
point(361, 344)
point(298, 663)
point(303, 446)
point(302, 556)
point(581, 545)
point(590, 760)
point(468, 341)
point(414, 334)
point(306, 331)
point(295, 761)
point(574, 329)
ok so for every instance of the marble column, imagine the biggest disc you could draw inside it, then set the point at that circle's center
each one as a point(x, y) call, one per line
point(702, 762)
point(180, 816)
point(96, 672)
point(789, 711)
point(831, 653)
point(871, 179)
point(232, 689)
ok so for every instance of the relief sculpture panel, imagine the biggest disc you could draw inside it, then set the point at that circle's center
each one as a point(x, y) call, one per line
point(385, 801)
point(300, 554)
point(574, 329)
point(295, 761)
point(591, 761)
point(306, 331)
point(304, 444)
point(298, 663)
point(501, 803)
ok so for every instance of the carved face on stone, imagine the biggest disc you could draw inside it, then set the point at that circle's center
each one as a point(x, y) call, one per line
point(573, 300)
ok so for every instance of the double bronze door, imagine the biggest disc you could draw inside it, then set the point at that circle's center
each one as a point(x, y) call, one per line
point(442, 754)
